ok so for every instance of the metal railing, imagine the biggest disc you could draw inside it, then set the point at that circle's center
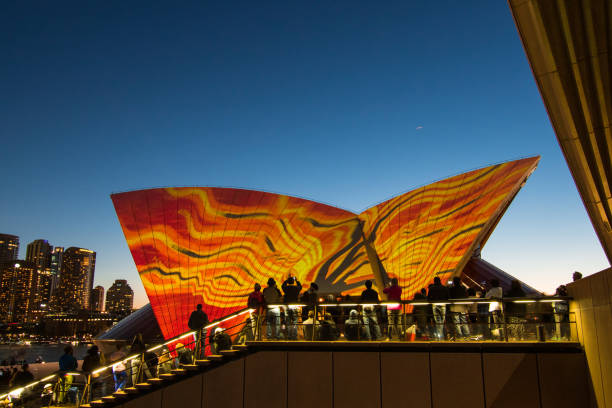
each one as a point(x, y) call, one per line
point(453, 320)
point(75, 387)
point(471, 319)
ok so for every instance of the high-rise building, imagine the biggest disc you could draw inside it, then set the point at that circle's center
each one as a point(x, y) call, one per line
point(119, 298)
point(39, 253)
point(76, 279)
point(56, 267)
point(97, 299)
point(17, 288)
point(9, 248)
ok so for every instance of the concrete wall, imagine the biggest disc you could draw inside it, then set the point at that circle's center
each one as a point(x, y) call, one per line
point(381, 379)
point(592, 306)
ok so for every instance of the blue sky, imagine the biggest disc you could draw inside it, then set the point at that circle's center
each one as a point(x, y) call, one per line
point(347, 103)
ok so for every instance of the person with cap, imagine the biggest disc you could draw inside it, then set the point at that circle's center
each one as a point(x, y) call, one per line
point(222, 340)
point(353, 327)
point(183, 354)
point(272, 296)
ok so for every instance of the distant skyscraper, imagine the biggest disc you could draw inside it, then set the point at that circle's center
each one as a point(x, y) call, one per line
point(17, 287)
point(120, 298)
point(9, 247)
point(39, 253)
point(97, 299)
point(56, 267)
point(76, 279)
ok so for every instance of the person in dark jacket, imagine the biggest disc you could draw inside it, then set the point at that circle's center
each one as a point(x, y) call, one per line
point(67, 363)
point(515, 312)
point(420, 313)
point(256, 302)
point(272, 296)
point(310, 298)
point(90, 363)
point(23, 377)
point(438, 292)
point(369, 294)
point(197, 322)
point(137, 369)
point(222, 340)
point(353, 327)
point(183, 354)
point(458, 313)
point(292, 288)
point(328, 331)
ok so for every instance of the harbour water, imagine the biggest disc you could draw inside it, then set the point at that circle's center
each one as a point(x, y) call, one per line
point(48, 352)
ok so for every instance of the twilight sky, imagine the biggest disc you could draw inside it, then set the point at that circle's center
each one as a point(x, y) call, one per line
point(347, 103)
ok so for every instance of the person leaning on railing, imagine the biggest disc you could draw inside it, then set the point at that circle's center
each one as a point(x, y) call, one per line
point(438, 292)
point(458, 312)
point(272, 296)
point(515, 312)
point(495, 309)
point(561, 310)
point(91, 362)
point(67, 363)
point(292, 288)
point(256, 302)
point(420, 314)
point(119, 368)
point(394, 293)
point(197, 322)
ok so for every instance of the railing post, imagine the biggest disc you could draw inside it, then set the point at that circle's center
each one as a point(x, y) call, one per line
point(314, 322)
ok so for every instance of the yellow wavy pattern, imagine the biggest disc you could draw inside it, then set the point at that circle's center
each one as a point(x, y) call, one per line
point(210, 245)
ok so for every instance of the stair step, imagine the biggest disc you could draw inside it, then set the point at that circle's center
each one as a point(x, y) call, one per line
point(241, 347)
point(190, 367)
point(229, 353)
point(97, 403)
point(167, 376)
point(120, 394)
point(202, 363)
point(109, 399)
point(215, 357)
point(144, 386)
point(179, 371)
point(85, 405)
point(155, 381)
point(131, 390)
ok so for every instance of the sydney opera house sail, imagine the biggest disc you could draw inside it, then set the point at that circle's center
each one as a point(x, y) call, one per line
point(210, 245)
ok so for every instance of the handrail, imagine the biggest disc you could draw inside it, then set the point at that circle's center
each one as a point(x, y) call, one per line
point(422, 302)
point(316, 304)
point(19, 390)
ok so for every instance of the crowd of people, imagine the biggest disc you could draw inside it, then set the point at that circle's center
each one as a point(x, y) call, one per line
point(279, 317)
point(288, 313)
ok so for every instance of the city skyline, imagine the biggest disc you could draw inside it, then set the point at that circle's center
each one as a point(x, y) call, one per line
point(343, 104)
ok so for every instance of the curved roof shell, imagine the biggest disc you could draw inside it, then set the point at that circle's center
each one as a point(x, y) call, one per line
point(210, 245)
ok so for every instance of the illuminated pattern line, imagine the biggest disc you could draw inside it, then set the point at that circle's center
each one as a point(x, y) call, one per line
point(210, 245)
